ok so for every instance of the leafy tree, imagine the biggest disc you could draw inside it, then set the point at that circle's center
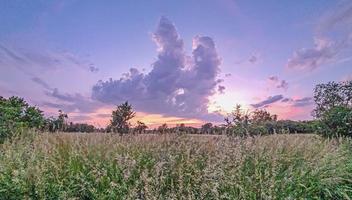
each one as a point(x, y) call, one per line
point(141, 127)
point(336, 122)
point(237, 122)
point(61, 121)
point(261, 122)
point(237, 117)
point(333, 108)
point(120, 118)
point(206, 128)
point(15, 113)
point(262, 116)
point(53, 124)
point(330, 95)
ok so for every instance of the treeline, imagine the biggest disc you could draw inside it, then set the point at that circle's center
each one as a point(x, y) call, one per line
point(17, 115)
point(333, 118)
point(61, 124)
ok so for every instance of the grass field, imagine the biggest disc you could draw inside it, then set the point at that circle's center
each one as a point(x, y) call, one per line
point(103, 166)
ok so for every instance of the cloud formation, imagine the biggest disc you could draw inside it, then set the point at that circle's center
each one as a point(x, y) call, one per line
point(326, 50)
point(173, 86)
point(268, 101)
point(42, 83)
point(311, 58)
point(71, 103)
point(67, 102)
point(298, 102)
point(340, 18)
point(277, 83)
point(23, 59)
point(252, 60)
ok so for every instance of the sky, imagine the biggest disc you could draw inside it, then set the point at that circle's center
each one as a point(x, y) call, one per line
point(182, 61)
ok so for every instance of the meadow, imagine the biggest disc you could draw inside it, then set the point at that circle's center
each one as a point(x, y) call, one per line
point(35, 165)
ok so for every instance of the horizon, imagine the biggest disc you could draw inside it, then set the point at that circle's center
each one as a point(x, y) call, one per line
point(185, 62)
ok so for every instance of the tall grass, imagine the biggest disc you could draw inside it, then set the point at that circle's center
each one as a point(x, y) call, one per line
point(102, 166)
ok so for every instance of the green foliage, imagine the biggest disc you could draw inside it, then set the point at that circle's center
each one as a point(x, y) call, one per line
point(53, 124)
point(103, 166)
point(80, 127)
point(262, 116)
point(245, 123)
point(289, 126)
point(336, 122)
point(330, 95)
point(120, 118)
point(16, 114)
point(334, 109)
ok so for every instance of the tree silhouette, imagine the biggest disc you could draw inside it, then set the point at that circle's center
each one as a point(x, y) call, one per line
point(163, 128)
point(141, 127)
point(206, 128)
point(120, 118)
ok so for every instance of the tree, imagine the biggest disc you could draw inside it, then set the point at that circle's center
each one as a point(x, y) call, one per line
point(181, 128)
point(53, 124)
point(237, 117)
point(141, 127)
point(61, 120)
point(15, 114)
point(334, 108)
point(330, 95)
point(237, 122)
point(262, 116)
point(336, 122)
point(162, 129)
point(120, 118)
point(206, 128)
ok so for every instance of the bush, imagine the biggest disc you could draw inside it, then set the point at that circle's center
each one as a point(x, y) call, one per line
point(336, 122)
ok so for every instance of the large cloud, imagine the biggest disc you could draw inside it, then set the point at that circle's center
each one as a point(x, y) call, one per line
point(173, 86)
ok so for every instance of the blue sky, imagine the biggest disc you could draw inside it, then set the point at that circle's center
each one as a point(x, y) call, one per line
point(265, 51)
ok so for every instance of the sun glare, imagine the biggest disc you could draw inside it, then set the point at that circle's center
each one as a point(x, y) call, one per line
point(225, 103)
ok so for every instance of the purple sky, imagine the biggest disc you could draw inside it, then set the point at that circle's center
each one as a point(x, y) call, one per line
point(175, 61)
